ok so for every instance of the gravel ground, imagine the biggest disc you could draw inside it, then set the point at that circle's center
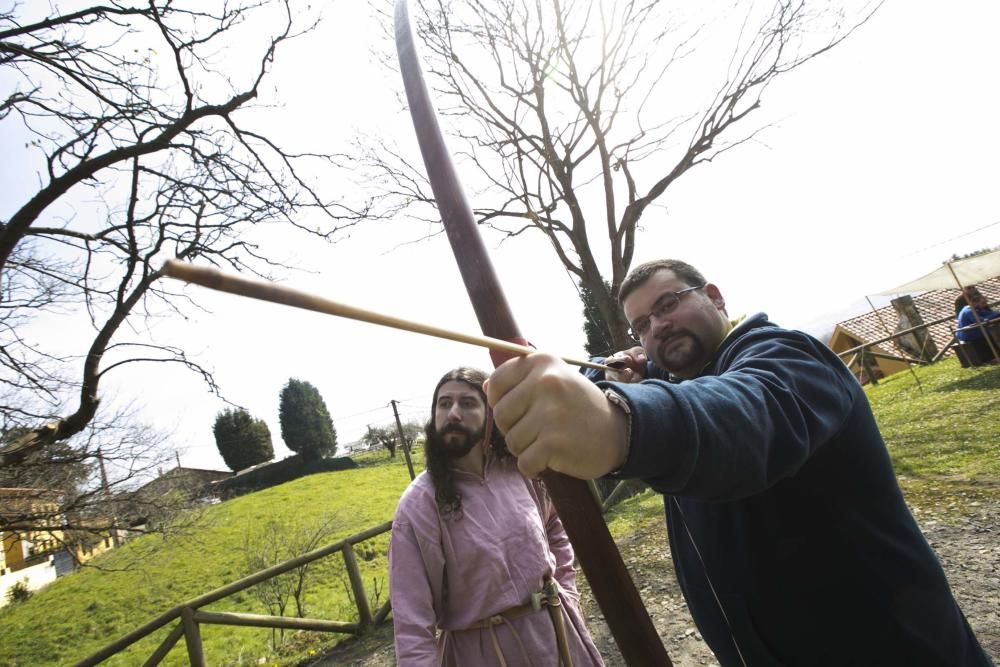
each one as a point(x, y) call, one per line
point(968, 546)
point(967, 541)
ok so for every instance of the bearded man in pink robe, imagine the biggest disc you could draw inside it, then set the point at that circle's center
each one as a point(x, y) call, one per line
point(480, 568)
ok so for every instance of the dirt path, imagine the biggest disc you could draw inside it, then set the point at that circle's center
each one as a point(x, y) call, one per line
point(967, 541)
point(968, 546)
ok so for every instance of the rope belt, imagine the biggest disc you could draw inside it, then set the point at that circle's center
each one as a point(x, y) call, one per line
point(549, 598)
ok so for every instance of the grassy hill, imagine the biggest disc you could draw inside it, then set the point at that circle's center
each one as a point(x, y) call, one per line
point(82, 612)
point(942, 435)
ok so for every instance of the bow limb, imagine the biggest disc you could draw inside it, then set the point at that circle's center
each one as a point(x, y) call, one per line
point(599, 557)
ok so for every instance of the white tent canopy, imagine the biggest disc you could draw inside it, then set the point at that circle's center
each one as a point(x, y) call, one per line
point(969, 271)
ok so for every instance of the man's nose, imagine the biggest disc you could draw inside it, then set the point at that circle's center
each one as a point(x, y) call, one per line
point(657, 325)
point(454, 414)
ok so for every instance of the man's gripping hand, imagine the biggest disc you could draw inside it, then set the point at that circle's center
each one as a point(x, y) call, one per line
point(627, 365)
point(553, 417)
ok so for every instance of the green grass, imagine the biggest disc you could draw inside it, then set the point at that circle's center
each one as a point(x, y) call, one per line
point(942, 439)
point(942, 433)
point(945, 426)
point(636, 514)
point(82, 612)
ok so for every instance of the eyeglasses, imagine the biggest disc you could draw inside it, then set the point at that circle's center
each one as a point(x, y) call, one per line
point(663, 307)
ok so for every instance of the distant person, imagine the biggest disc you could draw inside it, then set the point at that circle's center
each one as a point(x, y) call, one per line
point(790, 537)
point(960, 303)
point(480, 568)
point(967, 333)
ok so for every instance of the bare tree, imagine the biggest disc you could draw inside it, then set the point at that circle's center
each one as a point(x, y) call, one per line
point(381, 437)
point(276, 542)
point(578, 115)
point(386, 436)
point(137, 117)
point(137, 121)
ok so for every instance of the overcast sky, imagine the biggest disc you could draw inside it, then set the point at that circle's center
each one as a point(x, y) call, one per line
point(883, 161)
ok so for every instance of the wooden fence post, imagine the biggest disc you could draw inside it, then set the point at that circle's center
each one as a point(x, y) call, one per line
point(192, 636)
point(357, 585)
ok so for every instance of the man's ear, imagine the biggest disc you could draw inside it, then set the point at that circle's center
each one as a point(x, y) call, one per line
point(715, 296)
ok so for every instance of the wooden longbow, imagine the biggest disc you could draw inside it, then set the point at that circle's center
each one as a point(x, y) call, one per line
point(599, 557)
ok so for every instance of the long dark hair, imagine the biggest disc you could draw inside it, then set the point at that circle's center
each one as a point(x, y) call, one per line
point(449, 499)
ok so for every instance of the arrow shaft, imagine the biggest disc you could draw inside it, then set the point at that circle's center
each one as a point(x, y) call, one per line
point(274, 293)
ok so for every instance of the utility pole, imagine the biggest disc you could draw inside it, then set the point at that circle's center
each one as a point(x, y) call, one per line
point(402, 440)
point(115, 541)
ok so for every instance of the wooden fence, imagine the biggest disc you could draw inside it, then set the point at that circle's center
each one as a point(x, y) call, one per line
point(189, 617)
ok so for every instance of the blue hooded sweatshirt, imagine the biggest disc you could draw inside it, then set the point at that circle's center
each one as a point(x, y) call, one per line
point(788, 531)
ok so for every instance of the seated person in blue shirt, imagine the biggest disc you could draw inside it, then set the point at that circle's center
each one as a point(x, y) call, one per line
point(966, 318)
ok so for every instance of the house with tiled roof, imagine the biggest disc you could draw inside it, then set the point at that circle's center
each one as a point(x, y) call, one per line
point(935, 308)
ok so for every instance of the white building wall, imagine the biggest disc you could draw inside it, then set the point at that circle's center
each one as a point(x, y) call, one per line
point(38, 575)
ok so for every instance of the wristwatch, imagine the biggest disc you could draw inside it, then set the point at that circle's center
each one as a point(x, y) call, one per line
point(617, 400)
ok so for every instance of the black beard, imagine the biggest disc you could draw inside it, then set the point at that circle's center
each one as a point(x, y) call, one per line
point(456, 448)
point(693, 357)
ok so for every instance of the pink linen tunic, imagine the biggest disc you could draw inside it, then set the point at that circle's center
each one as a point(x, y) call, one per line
point(445, 575)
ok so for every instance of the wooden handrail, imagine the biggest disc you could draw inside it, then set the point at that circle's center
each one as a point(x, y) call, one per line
point(264, 621)
point(164, 648)
point(382, 612)
point(898, 333)
point(940, 320)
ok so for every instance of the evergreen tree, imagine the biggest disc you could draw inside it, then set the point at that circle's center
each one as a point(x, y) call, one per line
point(306, 426)
point(599, 340)
point(242, 440)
